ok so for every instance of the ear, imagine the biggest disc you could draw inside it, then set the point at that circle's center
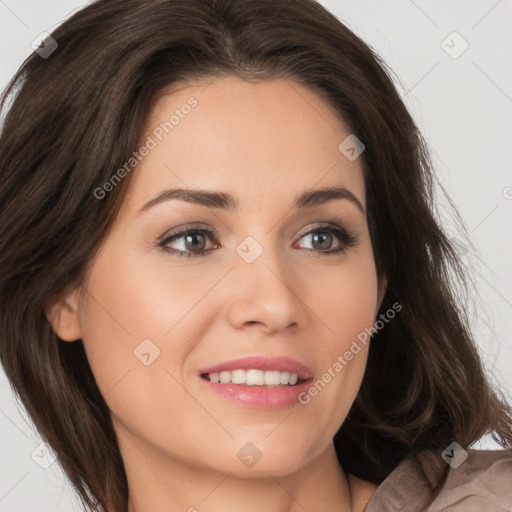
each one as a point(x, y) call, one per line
point(62, 313)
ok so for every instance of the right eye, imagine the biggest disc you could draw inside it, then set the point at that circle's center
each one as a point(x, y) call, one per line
point(193, 242)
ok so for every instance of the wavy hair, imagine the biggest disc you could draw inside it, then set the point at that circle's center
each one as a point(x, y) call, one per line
point(70, 119)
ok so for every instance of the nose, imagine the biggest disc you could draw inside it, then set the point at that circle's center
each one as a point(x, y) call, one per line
point(266, 295)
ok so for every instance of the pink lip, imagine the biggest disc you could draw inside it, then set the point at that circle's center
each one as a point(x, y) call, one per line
point(263, 397)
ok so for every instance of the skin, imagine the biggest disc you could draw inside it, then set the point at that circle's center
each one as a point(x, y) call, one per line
point(265, 143)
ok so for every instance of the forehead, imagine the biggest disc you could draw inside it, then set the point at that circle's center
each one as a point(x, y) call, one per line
point(253, 139)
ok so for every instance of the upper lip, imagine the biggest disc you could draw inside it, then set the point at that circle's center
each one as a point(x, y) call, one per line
point(264, 363)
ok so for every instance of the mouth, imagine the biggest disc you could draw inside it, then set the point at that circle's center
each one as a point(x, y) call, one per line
point(259, 381)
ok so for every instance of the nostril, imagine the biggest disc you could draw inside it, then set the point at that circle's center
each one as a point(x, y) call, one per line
point(252, 323)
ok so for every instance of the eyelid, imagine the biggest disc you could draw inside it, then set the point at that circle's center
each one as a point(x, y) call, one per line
point(184, 229)
point(347, 237)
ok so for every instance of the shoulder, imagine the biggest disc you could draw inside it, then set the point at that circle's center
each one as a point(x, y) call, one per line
point(476, 480)
point(482, 481)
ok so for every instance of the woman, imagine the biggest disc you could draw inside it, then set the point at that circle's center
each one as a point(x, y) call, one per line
point(225, 284)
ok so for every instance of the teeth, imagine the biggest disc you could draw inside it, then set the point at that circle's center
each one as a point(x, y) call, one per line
point(238, 377)
point(284, 377)
point(254, 378)
point(273, 378)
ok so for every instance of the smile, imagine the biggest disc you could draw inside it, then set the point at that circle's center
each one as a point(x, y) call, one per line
point(259, 381)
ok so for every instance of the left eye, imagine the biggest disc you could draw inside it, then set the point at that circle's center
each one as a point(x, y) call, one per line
point(322, 238)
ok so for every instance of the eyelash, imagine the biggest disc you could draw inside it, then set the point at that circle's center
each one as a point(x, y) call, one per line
point(347, 240)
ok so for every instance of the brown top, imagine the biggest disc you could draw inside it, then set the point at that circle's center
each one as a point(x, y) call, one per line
point(481, 483)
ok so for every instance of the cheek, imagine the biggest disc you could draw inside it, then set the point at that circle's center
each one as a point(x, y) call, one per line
point(346, 305)
point(138, 326)
point(123, 324)
point(346, 299)
point(131, 300)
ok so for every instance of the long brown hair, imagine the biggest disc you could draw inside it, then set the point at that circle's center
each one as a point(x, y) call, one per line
point(71, 119)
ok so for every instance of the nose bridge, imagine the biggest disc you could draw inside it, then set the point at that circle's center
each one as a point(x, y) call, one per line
point(266, 293)
point(263, 260)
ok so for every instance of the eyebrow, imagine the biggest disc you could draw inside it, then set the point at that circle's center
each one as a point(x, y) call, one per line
point(225, 201)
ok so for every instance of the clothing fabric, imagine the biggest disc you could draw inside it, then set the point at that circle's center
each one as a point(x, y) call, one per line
point(481, 483)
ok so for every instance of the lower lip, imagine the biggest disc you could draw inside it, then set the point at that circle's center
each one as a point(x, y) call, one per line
point(263, 397)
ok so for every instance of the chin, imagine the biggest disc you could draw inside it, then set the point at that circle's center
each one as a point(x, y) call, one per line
point(259, 456)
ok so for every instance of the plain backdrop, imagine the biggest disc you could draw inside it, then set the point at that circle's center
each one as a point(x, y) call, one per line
point(462, 100)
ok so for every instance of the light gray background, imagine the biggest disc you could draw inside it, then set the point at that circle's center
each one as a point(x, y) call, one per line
point(462, 105)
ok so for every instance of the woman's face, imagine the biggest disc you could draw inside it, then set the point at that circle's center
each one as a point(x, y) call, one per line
point(252, 279)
